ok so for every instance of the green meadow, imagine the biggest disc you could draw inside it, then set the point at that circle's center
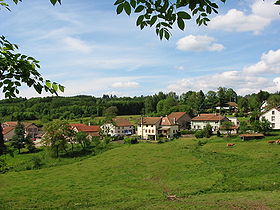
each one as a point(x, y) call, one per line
point(202, 174)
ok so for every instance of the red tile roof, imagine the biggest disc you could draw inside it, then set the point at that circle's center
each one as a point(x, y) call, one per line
point(176, 115)
point(150, 120)
point(121, 122)
point(209, 117)
point(6, 130)
point(14, 124)
point(85, 128)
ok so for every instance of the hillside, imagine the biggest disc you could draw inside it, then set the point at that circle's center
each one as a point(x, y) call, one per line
point(202, 176)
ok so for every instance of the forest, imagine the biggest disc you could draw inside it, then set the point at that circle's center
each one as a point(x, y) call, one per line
point(160, 104)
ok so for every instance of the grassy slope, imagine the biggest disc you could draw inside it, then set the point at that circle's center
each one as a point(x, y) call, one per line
point(139, 176)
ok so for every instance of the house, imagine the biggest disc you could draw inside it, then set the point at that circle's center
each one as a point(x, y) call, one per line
point(181, 118)
point(234, 128)
point(273, 116)
point(215, 120)
point(154, 127)
point(30, 129)
point(8, 133)
point(118, 127)
point(264, 106)
point(230, 106)
point(91, 130)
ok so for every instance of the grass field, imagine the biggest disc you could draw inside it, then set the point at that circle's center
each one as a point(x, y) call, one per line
point(212, 176)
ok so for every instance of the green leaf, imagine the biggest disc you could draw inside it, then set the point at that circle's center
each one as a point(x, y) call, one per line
point(139, 9)
point(118, 2)
point(139, 20)
point(48, 84)
point(53, 2)
point(184, 15)
point(180, 23)
point(61, 88)
point(127, 8)
point(153, 20)
point(54, 87)
point(119, 8)
point(133, 3)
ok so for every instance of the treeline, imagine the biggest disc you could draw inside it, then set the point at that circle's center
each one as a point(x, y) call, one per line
point(160, 104)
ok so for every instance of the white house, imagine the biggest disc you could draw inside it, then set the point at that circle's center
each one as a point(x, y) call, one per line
point(154, 127)
point(273, 116)
point(118, 127)
point(215, 120)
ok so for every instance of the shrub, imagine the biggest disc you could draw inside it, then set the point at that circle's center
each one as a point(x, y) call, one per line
point(3, 166)
point(130, 141)
point(201, 143)
point(36, 162)
point(199, 134)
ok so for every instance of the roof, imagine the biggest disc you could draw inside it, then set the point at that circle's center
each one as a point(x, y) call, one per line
point(121, 122)
point(167, 121)
point(14, 124)
point(209, 117)
point(232, 104)
point(177, 115)
point(150, 120)
point(251, 135)
point(6, 130)
point(85, 128)
point(277, 108)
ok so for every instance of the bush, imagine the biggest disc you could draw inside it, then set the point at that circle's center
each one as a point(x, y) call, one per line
point(36, 162)
point(201, 143)
point(185, 132)
point(3, 166)
point(199, 134)
point(130, 141)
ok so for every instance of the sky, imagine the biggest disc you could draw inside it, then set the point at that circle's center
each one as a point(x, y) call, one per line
point(86, 47)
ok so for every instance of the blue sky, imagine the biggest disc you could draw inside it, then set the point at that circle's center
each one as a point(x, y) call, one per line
point(86, 47)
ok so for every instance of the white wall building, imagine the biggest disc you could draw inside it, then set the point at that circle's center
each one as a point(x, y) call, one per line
point(273, 116)
point(215, 120)
point(118, 127)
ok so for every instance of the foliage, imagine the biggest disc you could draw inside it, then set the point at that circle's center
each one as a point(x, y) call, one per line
point(111, 112)
point(227, 126)
point(244, 127)
point(3, 166)
point(131, 140)
point(18, 140)
point(208, 131)
point(261, 126)
point(199, 134)
point(2, 142)
point(83, 139)
point(29, 144)
point(16, 69)
point(58, 134)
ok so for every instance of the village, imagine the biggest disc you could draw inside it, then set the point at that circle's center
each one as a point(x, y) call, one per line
point(174, 125)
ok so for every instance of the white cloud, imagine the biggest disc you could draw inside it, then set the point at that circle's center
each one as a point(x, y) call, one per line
point(181, 68)
point(262, 14)
point(277, 82)
point(75, 44)
point(198, 43)
point(242, 84)
point(125, 85)
point(269, 64)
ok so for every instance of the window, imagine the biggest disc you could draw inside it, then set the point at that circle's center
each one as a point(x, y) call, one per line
point(152, 131)
point(272, 118)
point(272, 125)
point(146, 125)
point(149, 131)
point(152, 125)
point(273, 112)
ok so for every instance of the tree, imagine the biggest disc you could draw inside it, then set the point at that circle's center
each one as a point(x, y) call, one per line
point(29, 144)
point(227, 126)
point(83, 139)
point(208, 131)
point(18, 140)
point(2, 143)
point(111, 112)
point(57, 136)
point(16, 68)
point(261, 126)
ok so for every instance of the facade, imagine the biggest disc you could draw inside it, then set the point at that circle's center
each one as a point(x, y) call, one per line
point(215, 120)
point(154, 127)
point(181, 118)
point(273, 116)
point(92, 130)
point(118, 127)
